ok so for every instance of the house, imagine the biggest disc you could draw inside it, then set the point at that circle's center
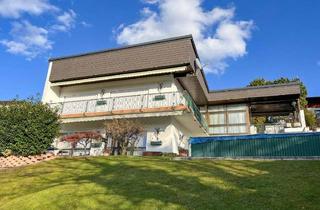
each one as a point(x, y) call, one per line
point(162, 85)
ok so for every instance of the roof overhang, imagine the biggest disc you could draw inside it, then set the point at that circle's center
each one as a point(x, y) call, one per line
point(258, 93)
point(192, 85)
point(313, 102)
point(121, 76)
point(273, 108)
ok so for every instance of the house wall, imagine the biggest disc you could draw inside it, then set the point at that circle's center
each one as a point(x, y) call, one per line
point(128, 87)
point(170, 134)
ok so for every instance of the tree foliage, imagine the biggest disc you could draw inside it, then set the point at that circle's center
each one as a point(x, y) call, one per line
point(124, 135)
point(310, 117)
point(82, 138)
point(27, 127)
point(284, 80)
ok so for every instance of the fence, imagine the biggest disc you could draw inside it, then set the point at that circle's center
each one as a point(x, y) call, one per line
point(262, 145)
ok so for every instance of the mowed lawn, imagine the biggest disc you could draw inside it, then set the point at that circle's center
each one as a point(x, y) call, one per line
point(161, 183)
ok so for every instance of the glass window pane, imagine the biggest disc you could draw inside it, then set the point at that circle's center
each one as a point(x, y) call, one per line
point(217, 118)
point(218, 130)
point(237, 129)
point(236, 117)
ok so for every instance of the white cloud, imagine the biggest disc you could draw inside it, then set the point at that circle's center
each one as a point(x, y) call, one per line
point(15, 47)
point(27, 40)
point(217, 35)
point(15, 8)
point(85, 24)
point(150, 1)
point(66, 21)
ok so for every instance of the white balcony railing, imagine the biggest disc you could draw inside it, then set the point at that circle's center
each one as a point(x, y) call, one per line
point(134, 102)
point(121, 103)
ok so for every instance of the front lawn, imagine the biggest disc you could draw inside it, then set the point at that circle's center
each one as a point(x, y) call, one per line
point(159, 183)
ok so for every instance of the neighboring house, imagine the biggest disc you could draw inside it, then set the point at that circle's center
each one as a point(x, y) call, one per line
point(162, 85)
point(314, 105)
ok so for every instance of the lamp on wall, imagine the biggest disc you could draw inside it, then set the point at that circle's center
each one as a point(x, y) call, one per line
point(160, 86)
point(102, 92)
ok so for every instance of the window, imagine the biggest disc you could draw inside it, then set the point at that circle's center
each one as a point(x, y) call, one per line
point(237, 117)
point(228, 119)
point(217, 118)
point(317, 112)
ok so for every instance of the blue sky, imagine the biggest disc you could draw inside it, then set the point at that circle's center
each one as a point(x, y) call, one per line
point(238, 40)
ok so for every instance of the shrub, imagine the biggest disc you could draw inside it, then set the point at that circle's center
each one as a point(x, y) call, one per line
point(27, 127)
point(83, 138)
point(124, 135)
point(7, 152)
point(310, 117)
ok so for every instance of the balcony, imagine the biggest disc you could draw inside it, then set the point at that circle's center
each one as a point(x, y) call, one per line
point(135, 104)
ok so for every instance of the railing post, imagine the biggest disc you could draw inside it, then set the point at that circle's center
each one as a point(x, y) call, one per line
point(112, 107)
point(147, 101)
point(173, 98)
point(141, 106)
point(62, 106)
point(86, 107)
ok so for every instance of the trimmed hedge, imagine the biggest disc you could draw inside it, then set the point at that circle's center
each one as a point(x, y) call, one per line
point(27, 127)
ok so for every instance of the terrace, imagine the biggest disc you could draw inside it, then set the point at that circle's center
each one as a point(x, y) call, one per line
point(167, 103)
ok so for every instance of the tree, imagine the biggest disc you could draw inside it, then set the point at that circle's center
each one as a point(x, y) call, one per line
point(27, 127)
point(82, 138)
point(284, 80)
point(310, 117)
point(124, 135)
point(303, 94)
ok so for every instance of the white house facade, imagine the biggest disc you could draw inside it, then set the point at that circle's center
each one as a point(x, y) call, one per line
point(161, 85)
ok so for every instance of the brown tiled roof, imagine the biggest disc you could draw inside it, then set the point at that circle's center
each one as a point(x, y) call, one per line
point(280, 91)
point(165, 53)
point(178, 51)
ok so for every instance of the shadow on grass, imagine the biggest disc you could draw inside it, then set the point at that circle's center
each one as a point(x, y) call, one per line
point(155, 183)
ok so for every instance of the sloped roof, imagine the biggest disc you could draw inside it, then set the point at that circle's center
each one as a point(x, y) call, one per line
point(164, 53)
point(253, 93)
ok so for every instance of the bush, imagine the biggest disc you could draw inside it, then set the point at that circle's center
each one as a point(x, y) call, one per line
point(27, 127)
point(6, 152)
point(310, 117)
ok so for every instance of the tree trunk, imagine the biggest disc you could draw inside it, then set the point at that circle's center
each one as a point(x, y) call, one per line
point(124, 151)
point(113, 147)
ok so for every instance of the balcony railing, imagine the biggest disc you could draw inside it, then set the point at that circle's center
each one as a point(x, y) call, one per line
point(134, 102)
point(196, 111)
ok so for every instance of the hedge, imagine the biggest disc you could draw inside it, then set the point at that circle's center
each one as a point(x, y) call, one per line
point(27, 127)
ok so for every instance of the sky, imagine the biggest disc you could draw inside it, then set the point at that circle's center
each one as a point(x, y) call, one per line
point(237, 41)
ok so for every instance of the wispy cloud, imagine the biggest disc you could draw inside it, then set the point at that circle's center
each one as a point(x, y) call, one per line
point(30, 40)
point(150, 1)
point(27, 40)
point(217, 34)
point(15, 8)
point(85, 24)
point(66, 21)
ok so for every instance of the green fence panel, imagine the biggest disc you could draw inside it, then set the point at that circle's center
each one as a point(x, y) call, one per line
point(266, 145)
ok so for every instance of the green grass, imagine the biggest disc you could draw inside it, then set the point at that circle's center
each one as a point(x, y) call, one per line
point(158, 183)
